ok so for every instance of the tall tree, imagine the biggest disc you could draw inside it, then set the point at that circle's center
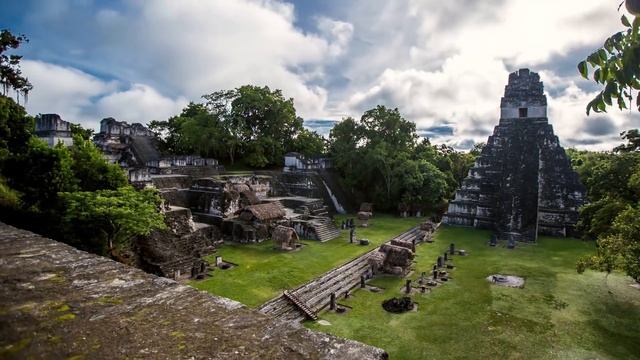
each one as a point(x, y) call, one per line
point(10, 73)
point(90, 169)
point(117, 215)
point(380, 160)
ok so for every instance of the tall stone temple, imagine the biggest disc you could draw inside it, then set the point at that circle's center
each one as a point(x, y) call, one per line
point(522, 185)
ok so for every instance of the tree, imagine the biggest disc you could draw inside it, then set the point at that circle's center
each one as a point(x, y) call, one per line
point(16, 128)
point(380, 160)
point(613, 186)
point(633, 141)
point(39, 174)
point(309, 143)
point(90, 169)
point(78, 130)
point(619, 250)
point(10, 73)
point(617, 68)
point(117, 215)
point(258, 122)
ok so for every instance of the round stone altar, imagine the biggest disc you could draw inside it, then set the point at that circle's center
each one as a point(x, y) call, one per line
point(506, 280)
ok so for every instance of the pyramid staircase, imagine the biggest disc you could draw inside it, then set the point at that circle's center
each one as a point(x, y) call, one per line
point(326, 230)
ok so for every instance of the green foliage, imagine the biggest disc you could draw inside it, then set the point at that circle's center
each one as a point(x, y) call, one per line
point(309, 143)
point(10, 74)
point(91, 170)
point(617, 68)
point(39, 174)
point(78, 130)
point(250, 123)
point(118, 215)
point(621, 248)
point(633, 141)
point(16, 128)
point(9, 198)
point(170, 131)
point(260, 125)
point(380, 160)
point(613, 186)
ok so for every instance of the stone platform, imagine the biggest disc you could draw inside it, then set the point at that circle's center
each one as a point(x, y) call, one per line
point(57, 302)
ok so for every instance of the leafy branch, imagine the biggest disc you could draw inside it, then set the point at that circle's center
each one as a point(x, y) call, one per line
point(617, 67)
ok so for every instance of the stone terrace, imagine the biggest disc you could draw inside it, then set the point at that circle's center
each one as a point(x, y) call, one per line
point(59, 302)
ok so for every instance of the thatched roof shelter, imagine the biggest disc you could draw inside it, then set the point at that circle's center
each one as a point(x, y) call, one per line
point(284, 238)
point(263, 212)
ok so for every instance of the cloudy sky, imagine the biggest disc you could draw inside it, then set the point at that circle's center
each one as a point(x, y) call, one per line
point(444, 64)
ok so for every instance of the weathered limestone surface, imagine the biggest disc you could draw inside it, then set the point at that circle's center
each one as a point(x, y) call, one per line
point(57, 302)
point(522, 184)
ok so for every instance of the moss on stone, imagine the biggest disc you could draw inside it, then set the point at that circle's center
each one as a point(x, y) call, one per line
point(15, 347)
point(109, 300)
point(65, 317)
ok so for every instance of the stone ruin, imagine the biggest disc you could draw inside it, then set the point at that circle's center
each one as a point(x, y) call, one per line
point(254, 223)
point(393, 259)
point(244, 208)
point(398, 305)
point(177, 252)
point(135, 148)
point(522, 185)
point(506, 281)
point(427, 229)
point(51, 291)
point(53, 130)
point(285, 238)
point(365, 213)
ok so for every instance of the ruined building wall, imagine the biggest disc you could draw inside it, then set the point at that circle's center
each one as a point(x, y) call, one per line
point(522, 184)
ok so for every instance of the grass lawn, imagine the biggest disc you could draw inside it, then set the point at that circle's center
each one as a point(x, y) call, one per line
point(558, 315)
point(263, 273)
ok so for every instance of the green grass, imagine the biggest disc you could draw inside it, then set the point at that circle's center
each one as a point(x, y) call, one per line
point(263, 273)
point(558, 315)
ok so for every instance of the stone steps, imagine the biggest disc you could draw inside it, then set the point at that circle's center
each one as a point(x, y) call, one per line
point(326, 231)
point(312, 315)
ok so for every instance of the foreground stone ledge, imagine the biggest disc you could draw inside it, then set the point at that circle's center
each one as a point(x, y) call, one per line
point(57, 302)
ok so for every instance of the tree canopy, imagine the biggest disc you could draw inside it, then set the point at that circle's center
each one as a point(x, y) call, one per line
point(117, 215)
point(251, 123)
point(613, 186)
point(380, 160)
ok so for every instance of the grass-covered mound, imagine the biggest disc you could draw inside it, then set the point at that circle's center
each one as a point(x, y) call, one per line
point(263, 273)
point(558, 315)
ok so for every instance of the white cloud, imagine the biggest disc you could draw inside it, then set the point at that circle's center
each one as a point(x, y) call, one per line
point(63, 90)
point(189, 48)
point(447, 62)
point(79, 97)
point(140, 103)
point(440, 63)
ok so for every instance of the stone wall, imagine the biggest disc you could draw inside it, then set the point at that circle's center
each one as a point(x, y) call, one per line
point(59, 303)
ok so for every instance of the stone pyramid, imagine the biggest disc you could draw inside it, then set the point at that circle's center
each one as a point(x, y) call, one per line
point(522, 185)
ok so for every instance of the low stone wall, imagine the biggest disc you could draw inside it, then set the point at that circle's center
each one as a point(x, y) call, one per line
point(58, 302)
